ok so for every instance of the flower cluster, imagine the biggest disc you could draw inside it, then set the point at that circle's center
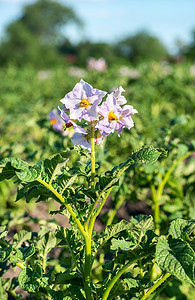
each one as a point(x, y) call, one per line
point(84, 109)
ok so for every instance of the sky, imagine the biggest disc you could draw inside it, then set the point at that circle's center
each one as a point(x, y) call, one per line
point(112, 20)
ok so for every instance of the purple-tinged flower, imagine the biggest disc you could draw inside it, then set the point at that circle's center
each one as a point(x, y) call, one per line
point(68, 122)
point(117, 95)
point(56, 121)
point(82, 101)
point(125, 119)
point(109, 115)
point(81, 139)
point(114, 117)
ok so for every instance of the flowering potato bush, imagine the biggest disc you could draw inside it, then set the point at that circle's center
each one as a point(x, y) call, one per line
point(128, 259)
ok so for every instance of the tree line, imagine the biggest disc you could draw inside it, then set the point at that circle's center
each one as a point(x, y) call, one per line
point(38, 38)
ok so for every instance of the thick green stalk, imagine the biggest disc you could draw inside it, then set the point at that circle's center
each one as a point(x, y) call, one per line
point(120, 273)
point(155, 286)
point(88, 267)
point(92, 157)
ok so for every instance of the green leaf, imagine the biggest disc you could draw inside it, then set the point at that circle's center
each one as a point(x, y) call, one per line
point(124, 286)
point(142, 224)
point(15, 166)
point(58, 295)
point(3, 294)
point(110, 231)
point(51, 167)
point(21, 237)
point(16, 163)
point(31, 173)
point(29, 280)
point(5, 252)
point(108, 265)
point(65, 180)
point(17, 256)
point(3, 231)
point(28, 251)
point(22, 254)
point(180, 227)
point(122, 244)
point(46, 243)
point(106, 182)
point(63, 278)
point(7, 172)
point(177, 258)
point(71, 238)
point(145, 155)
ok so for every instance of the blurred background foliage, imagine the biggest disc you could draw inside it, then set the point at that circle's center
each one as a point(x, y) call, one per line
point(39, 65)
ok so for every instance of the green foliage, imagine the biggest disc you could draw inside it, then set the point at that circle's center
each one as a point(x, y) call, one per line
point(33, 38)
point(142, 46)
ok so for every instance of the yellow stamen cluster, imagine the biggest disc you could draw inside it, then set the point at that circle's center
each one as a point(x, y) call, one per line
point(54, 121)
point(112, 116)
point(85, 103)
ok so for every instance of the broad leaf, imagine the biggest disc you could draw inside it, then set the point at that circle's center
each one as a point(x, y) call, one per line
point(15, 166)
point(5, 252)
point(46, 243)
point(29, 280)
point(180, 227)
point(121, 244)
point(67, 276)
point(21, 237)
point(51, 167)
point(177, 258)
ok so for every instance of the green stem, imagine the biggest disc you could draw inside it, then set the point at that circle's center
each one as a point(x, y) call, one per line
point(94, 216)
point(88, 267)
point(167, 175)
point(155, 210)
point(155, 286)
point(113, 211)
point(157, 194)
point(68, 207)
point(92, 157)
point(159, 290)
point(20, 265)
point(119, 274)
